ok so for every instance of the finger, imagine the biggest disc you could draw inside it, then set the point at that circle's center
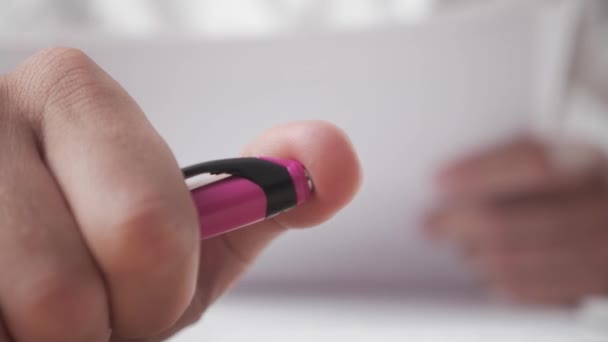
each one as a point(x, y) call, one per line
point(569, 292)
point(568, 219)
point(50, 289)
point(329, 158)
point(327, 154)
point(548, 275)
point(520, 166)
point(333, 165)
point(567, 288)
point(122, 184)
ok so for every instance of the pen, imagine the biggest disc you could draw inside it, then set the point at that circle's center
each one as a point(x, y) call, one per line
point(255, 189)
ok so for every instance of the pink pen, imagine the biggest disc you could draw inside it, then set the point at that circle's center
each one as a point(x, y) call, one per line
point(257, 189)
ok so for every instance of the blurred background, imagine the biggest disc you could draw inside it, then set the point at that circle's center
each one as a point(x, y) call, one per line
point(145, 18)
point(413, 82)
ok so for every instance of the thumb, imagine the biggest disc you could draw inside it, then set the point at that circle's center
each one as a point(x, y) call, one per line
point(327, 154)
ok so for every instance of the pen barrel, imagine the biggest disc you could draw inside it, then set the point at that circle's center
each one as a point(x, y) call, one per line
point(238, 201)
point(228, 204)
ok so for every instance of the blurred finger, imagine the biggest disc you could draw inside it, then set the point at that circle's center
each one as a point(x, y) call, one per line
point(522, 166)
point(566, 291)
point(566, 219)
point(551, 275)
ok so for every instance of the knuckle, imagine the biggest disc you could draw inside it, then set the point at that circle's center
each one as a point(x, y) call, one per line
point(58, 75)
point(57, 61)
point(71, 77)
point(148, 238)
point(60, 57)
point(150, 232)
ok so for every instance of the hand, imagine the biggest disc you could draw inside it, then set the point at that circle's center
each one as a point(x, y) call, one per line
point(98, 231)
point(532, 218)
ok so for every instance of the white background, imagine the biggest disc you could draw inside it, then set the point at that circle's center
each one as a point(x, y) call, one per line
point(412, 87)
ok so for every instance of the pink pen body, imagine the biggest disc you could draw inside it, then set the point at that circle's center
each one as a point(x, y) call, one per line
point(235, 202)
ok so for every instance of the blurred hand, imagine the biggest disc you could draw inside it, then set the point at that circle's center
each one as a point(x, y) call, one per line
point(98, 231)
point(532, 218)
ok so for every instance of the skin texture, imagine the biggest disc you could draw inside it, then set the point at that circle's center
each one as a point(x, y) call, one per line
point(98, 233)
point(532, 218)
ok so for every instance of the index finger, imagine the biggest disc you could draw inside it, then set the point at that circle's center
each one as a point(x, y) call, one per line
point(520, 166)
point(122, 184)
